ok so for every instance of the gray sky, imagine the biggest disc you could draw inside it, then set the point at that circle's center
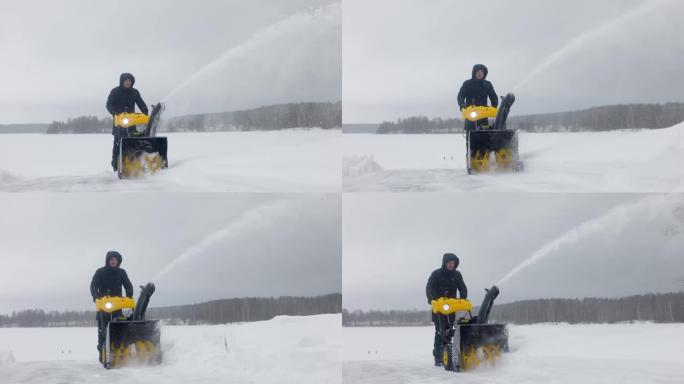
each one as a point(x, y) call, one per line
point(600, 245)
point(62, 57)
point(194, 247)
point(410, 57)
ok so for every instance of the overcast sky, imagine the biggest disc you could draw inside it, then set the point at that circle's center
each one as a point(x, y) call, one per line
point(194, 247)
point(61, 58)
point(410, 57)
point(587, 245)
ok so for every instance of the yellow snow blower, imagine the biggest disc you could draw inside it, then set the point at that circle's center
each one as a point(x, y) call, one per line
point(491, 148)
point(469, 341)
point(129, 339)
point(141, 152)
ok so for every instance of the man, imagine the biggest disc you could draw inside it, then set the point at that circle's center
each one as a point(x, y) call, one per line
point(444, 282)
point(107, 281)
point(475, 91)
point(123, 99)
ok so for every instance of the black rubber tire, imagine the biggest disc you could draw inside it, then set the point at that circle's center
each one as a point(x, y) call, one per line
point(450, 360)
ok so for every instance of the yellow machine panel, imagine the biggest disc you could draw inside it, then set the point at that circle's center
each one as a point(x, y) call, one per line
point(446, 306)
point(127, 120)
point(109, 304)
point(474, 113)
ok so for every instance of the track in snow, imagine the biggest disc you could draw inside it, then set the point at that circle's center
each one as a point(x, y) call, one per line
point(276, 161)
point(622, 161)
point(618, 353)
point(282, 350)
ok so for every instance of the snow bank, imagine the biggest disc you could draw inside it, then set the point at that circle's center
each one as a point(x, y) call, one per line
point(359, 165)
point(6, 357)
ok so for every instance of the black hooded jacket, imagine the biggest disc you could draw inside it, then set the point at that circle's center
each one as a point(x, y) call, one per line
point(123, 99)
point(107, 281)
point(476, 92)
point(445, 283)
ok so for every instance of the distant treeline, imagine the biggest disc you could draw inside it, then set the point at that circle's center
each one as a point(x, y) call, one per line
point(82, 124)
point(421, 124)
point(659, 308)
point(212, 312)
point(616, 117)
point(274, 117)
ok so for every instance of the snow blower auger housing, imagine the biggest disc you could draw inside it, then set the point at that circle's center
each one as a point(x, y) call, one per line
point(141, 152)
point(469, 341)
point(129, 339)
point(491, 148)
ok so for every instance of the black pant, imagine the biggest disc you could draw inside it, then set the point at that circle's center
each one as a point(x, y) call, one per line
point(442, 325)
point(118, 134)
point(102, 320)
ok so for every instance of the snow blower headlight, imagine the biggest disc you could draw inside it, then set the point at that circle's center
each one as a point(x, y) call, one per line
point(473, 114)
point(109, 305)
point(446, 307)
point(125, 121)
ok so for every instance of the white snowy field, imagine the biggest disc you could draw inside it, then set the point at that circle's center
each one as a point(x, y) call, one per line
point(279, 161)
point(573, 354)
point(282, 350)
point(624, 161)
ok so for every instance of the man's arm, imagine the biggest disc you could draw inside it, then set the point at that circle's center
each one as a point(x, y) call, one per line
point(94, 283)
point(127, 284)
point(429, 288)
point(462, 96)
point(462, 289)
point(110, 107)
point(493, 97)
point(141, 103)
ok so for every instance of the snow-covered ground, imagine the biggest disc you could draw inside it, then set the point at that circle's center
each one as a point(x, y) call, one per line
point(623, 161)
point(282, 350)
point(280, 161)
point(573, 354)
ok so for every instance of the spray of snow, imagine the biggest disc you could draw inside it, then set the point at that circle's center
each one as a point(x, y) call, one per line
point(248, 222)
point(580, 40)
point(302, 36)
point(614, 219)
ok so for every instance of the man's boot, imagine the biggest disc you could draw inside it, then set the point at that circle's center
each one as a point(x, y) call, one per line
point(438, 357)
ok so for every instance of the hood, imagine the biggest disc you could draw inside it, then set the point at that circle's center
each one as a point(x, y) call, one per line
point(477, 67)
point(125, 76)
point(114, 254)
point(447, 257)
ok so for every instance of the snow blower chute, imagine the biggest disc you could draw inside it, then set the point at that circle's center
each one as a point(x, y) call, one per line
point(469, 341)
point(129, 339)
point(141, 151)
point(491, 148)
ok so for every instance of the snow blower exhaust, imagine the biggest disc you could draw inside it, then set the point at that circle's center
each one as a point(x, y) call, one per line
point(469, 341)
point(141, 152)
point(491, 148)
point(129, 339)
